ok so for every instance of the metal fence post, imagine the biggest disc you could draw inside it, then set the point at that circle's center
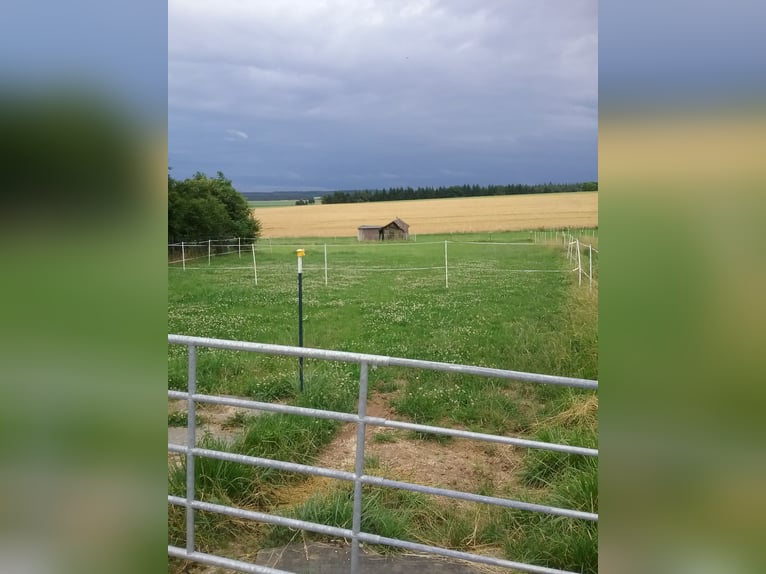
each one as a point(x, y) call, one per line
point(300, 253)
point(191, 432)
point(359, 469)
point(590, 267)
point(579, 262)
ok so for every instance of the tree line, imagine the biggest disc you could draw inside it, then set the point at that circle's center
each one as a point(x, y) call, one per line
point(201, 208)
point(405, 193)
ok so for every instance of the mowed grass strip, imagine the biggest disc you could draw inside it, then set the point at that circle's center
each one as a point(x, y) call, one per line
point(256, 204)
point(460, 214)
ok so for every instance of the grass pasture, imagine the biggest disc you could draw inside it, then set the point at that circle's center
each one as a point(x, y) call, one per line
point(458, 215)
point(512, 306)
point(257, 204)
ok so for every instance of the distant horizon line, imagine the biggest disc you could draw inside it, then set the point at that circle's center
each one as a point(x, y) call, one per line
point(300, 189)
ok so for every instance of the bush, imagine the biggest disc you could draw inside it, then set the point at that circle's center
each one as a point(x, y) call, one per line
point(201, 208)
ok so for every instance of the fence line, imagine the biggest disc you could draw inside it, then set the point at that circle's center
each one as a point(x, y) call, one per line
point(538, 234)
point(298, 245)
point(249, 240)
point(354, 270)
point(363, 269)
point(355, 245)
point(576, 245)
point(527, 243)
point(217, 268)
point(235, 241)
point(357, 477)
point(208, 256)
point(326, 268)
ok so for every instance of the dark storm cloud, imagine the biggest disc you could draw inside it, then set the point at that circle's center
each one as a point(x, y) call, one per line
point(363, 94)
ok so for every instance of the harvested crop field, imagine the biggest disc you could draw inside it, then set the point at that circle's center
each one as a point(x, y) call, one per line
point(460, 214)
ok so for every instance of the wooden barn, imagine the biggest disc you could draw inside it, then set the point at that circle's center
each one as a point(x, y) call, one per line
point(368, 233)
point(396, 230)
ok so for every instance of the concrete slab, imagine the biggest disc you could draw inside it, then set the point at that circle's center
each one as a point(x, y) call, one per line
point(321, 558)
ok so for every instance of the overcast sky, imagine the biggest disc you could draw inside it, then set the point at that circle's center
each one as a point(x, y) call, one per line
point(348, 94)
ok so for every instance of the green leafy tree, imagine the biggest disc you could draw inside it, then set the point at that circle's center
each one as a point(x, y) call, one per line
point(202, 208)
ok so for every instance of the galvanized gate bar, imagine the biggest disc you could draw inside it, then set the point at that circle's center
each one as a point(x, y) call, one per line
point(380, 360)
point(362, 536)
point(270, 407)
point(493, 500)
point(379, 481)
point(456, 433)
point(266, 518)
point(214, 560)
point(284, 350)
point(357, 477)
point(490, 372)
point(359, 469)
point(191, 434)
point(446, 552)
point(377, 421)
point(264, 462)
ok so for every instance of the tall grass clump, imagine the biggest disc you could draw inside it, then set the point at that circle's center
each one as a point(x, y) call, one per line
point(556, 541)
point(566, 481)
point(479, 404)
point(400, 514)
point(385, 512)
point(289, 438)
point(574, 422)
point(216, 481)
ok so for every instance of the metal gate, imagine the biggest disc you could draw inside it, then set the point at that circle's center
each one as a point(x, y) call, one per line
point(355, 534)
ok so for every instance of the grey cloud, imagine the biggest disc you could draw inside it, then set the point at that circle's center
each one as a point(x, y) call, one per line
point(353, 78)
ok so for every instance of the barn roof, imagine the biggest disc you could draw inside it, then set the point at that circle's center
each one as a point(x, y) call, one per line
point(401, 224)
point(370, 226)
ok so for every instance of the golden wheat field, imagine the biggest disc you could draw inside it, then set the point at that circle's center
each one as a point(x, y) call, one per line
point(453, 215)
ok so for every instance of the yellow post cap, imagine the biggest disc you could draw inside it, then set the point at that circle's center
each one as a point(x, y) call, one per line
point(300, 252)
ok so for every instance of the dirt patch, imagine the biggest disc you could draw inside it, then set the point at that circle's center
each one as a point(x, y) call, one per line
point(459, 464)
point(217, 421)
point(340, 452)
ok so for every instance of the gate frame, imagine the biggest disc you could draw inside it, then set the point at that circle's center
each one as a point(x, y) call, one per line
point(357, 477)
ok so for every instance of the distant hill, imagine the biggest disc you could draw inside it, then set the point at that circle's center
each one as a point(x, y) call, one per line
point(281, 195)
